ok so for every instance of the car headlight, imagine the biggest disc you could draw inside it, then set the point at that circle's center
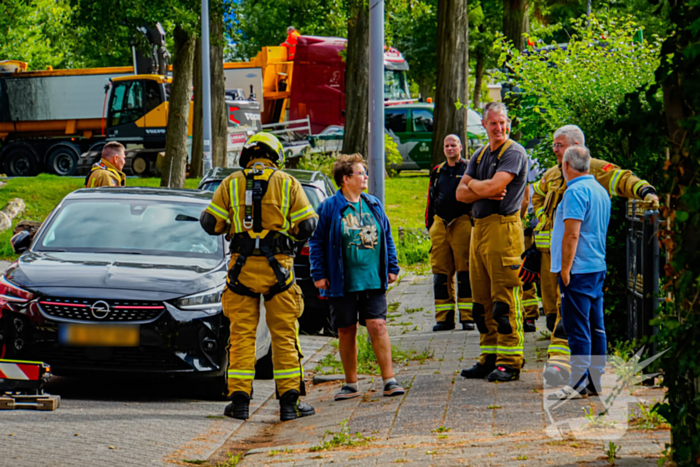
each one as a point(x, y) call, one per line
point(207, 300)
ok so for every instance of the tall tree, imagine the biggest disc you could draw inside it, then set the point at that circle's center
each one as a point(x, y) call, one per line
point(174, 165)
point(219, 120)
point(516, 21)
point(452, 74)
point(356, 137)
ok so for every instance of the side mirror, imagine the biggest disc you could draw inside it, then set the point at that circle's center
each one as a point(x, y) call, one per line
point(21, 242)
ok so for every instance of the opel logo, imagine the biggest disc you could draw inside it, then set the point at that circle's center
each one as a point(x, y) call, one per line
point(100, 309)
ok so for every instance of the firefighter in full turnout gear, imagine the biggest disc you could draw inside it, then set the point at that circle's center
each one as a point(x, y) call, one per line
point(495, 183)
point(531, 306)
point(108, 172)
point(548, 194)
point(450, 229)
point(265, 213)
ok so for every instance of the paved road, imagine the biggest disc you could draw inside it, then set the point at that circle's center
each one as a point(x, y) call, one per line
point(125, 422)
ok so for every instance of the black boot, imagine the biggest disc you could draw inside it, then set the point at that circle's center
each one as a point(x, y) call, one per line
point(291, 407)
point(504, 373)
point(468, 326)
point(238, 408)
point(555, 376)
point(444, 326)
point(529, 325)
point(479, 370)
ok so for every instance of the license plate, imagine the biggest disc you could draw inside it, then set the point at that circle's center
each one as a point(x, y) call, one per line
point(98, 335)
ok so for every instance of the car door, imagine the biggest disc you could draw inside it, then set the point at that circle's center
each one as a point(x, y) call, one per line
point(422, 136)
point(396, 124)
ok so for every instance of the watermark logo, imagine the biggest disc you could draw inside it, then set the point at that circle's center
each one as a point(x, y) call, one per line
point(606, 416)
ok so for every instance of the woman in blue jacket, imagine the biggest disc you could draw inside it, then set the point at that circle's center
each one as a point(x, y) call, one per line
point(353, 259)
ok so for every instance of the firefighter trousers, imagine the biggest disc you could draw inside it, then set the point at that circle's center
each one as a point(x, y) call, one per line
point(449, 255)
point(281, 312)
point(497, 243)
point(531, 305)
point(558, 351)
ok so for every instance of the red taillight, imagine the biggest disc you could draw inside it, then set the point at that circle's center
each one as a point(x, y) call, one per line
point(305, 250)
point(10, 293)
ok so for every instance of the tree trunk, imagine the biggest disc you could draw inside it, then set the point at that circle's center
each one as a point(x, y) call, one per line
point(197, 123)
point(356, 138)
point(515, 21)
point(479, 78)
point(174, 165)
point(219, 118)
point(452, 75)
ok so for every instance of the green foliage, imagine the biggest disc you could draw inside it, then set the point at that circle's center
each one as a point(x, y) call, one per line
point(232, 461)
point(648, 418)
point(392, 155)
point(414, 247)
point(588, 85)
point(342, 438)
point(319, 161)
point(611, 452)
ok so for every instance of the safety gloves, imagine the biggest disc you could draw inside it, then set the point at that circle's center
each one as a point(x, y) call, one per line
point(530, 269)
point(653, 199)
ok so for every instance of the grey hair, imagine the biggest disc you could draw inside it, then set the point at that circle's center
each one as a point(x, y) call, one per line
point(496, 107)
point(291, 28)
point(572, 133)
point(578, 158)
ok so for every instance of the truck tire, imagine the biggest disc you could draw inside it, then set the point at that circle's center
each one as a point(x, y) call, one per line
point(140, 165)
point(19, 160)
point(63, 160)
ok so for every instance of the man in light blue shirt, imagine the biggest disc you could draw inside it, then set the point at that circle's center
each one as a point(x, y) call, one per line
point(578, 255)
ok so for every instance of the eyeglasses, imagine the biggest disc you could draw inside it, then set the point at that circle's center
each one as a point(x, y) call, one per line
point(558, 146)
point(361, 173)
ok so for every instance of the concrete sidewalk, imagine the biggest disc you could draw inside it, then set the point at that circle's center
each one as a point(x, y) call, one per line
point(443, 419)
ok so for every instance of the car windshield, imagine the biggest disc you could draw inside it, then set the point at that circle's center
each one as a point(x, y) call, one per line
point(314, 195)
point(130, 227)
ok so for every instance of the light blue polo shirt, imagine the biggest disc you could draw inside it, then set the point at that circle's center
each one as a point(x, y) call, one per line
point(586, 200)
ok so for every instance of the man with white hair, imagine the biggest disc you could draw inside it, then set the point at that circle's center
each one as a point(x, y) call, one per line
point(578, 256)
point(547, 197)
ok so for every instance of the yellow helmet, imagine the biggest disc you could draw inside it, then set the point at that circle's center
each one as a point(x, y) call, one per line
point(262, 145)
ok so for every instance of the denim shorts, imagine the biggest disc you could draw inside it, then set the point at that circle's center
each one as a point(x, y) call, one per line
point(359, 306)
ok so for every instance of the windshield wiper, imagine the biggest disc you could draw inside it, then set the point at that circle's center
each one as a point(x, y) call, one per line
point(185, 217)
point(119, 252)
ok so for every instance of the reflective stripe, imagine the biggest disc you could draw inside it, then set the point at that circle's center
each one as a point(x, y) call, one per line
point(530, 302)
point(241, 374)
point(543, 238)
point(307, 211)
point(510, 350)
point(638, 185)
point(538, 190)
point(488, 349)
point(559, 349)
point(614, 182)
point(540, 213)
point(447, 306)
point(285, 204)
point(235, 206)
point(518, 321)
point(282, 374)
point(217, 211)
point(465, 306)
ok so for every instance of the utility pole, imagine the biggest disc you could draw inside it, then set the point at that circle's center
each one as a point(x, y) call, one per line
point(376, 99)
point(588, 8)
point(206, 88)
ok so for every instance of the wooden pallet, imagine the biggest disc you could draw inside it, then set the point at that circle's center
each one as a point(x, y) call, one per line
point(39, 402)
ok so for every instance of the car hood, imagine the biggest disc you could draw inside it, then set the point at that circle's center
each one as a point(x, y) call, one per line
point(86, 275)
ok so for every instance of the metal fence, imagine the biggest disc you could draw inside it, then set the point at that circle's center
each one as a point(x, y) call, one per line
point(643, 268)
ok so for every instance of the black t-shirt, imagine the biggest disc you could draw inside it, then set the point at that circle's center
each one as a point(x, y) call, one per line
point(514, 161)
point(444, 190)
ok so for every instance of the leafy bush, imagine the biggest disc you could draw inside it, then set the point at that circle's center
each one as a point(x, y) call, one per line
point(393, 156)
point(322, 162)
point(413, 247)
point(588, 85)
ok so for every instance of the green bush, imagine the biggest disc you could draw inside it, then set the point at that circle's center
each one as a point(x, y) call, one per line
point(322, 162)
point(588, 85)
point(414, 247)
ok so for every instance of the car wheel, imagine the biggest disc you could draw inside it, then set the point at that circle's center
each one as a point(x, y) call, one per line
point(63, 161)
point(263, 368)
point(139, 165)
point(20, 161)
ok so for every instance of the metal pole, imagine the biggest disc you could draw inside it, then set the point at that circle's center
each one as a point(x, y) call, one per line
point(206, 87)
point(588, 8)
point(376, 98)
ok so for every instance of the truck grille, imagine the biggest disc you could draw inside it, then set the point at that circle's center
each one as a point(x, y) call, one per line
point(101, 310)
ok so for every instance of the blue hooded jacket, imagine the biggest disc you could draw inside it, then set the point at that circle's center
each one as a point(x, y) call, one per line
point(326, 255)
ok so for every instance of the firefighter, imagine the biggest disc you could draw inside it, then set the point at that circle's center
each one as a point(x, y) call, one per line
point(291, 42)
point(265, 213)
point(531, 306)
point(108, 172)
point(449, 225)
point(548, 194)
point(495, 183)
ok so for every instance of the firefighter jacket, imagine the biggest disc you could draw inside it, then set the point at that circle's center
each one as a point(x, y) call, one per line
point(283, 206)
point(551, 187)
point(291, 44)
point(442, 201)
point(104, 173)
